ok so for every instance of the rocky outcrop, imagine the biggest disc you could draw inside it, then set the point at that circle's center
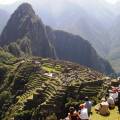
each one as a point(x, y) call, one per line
point(24, 22)
point(74, 48)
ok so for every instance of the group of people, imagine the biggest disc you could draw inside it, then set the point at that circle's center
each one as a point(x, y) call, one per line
point(107, 103)
point(114, 97)
point(83, 113)
point(111, 99)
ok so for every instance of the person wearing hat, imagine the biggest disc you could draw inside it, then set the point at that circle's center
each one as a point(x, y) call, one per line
point(88, 105)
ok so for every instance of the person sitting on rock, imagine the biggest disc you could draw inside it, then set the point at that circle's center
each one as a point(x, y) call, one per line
point(73, 115)
point(83, 112)
point(88, 105)
point(104, 108)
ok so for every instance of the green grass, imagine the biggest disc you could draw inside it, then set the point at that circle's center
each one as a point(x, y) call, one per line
point(49, 69)
point(113, 115)
point(6, 57)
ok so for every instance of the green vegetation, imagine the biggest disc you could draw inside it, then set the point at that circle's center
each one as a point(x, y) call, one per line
point(27, 92)
point(49, 68)
point(6, 57)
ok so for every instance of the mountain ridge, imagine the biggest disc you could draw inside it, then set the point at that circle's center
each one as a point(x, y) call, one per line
point(25, 23)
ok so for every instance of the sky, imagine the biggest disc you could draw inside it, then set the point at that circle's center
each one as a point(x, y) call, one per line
point(112, 1)
point(7, 1)
point(76, 1)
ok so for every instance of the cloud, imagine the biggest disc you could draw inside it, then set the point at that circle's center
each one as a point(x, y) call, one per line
point(112, 1)
point(4, 2)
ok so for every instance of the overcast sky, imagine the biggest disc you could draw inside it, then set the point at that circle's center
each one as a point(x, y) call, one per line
point(75, 1)
point(57, 7)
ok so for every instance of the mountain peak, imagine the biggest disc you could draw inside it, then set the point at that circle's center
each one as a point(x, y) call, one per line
point(25, 23)
point(25, 9)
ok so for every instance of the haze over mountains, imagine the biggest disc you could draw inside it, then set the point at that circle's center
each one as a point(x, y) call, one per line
point(25, 34)
point(95, 21)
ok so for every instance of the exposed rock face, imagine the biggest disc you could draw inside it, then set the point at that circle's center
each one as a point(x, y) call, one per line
point(25, 29)
point(24, 22)
point(76, 49)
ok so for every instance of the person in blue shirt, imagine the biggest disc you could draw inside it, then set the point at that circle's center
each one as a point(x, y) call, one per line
point(88, 105)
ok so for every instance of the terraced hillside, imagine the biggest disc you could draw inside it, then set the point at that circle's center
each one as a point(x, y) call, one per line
point(35, 88)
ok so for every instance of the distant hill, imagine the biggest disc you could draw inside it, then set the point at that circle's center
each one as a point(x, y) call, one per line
point(76, 49)
point(25, 33)
point(76, 19)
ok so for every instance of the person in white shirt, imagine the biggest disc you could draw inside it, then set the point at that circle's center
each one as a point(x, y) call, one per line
point(110, 101)
point(114, 95)
point(83, 112)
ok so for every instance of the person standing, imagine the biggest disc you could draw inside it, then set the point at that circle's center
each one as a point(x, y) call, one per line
point(88, 105)
point(83, 112)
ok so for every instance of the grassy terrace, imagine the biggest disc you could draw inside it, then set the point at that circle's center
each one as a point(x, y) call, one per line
point(49, 68)
point(113, 115)
point(65, 83)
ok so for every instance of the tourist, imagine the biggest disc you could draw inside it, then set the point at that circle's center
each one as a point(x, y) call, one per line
point(73, 115)
point(114, 94)
point(83, 112)
point(104, 107)
point(110, 101)
point(88, 105)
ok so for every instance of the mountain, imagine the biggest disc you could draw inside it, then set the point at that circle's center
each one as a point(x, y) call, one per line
point(29, 35)
point(24, 23)
point(29, 92)
point(33, 86)
point(78, 21)
point(3, 19)
point(76, 49)
point(75, 17)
